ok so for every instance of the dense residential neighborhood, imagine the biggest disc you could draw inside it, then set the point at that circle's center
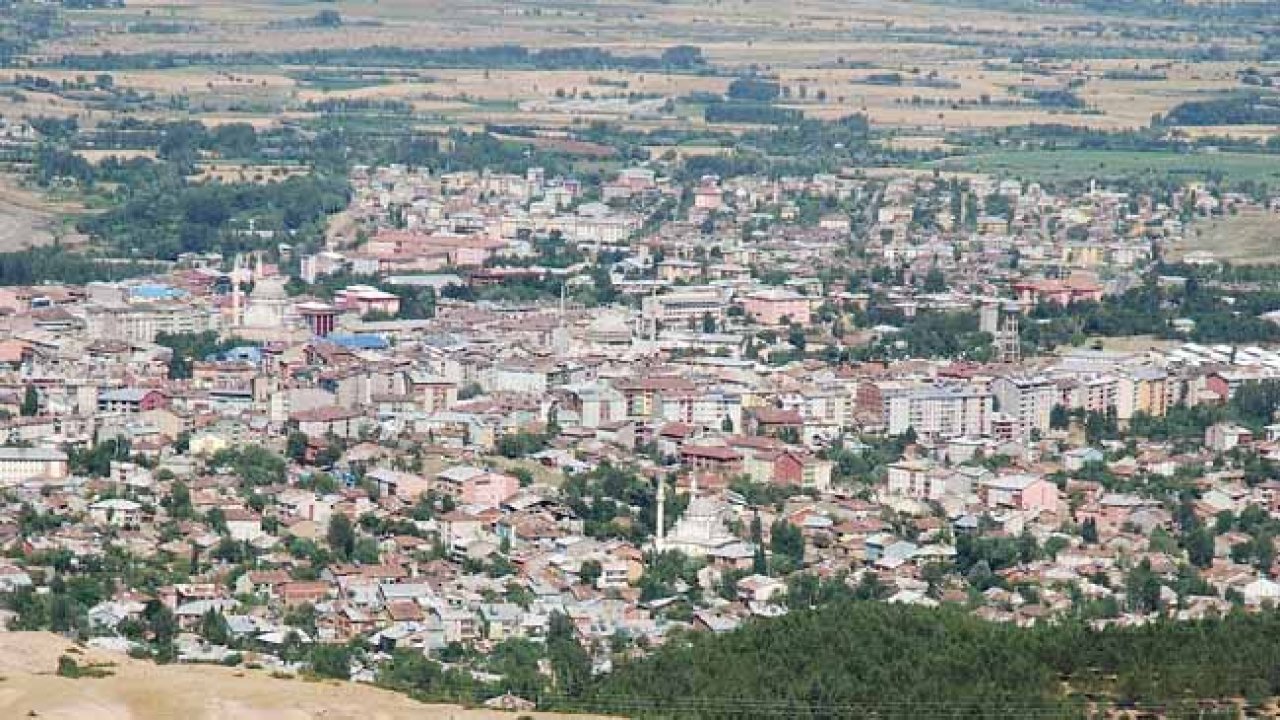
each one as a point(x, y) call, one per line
point(507, 411)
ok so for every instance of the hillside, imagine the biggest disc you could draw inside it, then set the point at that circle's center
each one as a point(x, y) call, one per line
point(140, 690)
point(887, 661)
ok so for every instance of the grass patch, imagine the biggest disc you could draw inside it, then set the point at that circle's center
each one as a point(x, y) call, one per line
point(69, 668)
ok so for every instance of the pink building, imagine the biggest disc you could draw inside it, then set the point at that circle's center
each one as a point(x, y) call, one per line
point(1019, 492)
point(463, 249)
point(774, 305)
point(491, 489)
point(1061, 292)
point(365, 299)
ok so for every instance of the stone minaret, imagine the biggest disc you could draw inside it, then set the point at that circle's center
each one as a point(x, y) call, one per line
point(661, 538)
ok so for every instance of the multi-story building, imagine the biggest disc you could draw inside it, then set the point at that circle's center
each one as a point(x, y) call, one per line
point(20, 464)
point(940, 411)
point(1091, 392)
point(685, 306)
point(141, 323)
point(776, 306)
point(1029, 399)
point(1142, 390)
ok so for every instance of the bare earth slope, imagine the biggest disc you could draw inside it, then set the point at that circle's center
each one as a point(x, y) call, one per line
point(140, 690)
point(26, 220)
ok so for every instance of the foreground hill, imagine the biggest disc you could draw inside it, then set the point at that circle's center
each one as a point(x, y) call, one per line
point(140, 690)
point(888, 661)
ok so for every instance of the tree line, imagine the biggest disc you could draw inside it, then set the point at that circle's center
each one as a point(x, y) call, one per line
point(509, 56)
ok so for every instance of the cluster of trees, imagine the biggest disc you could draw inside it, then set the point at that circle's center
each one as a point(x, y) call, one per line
point(512, 666)
point(416, 302)
point(1242, 109)
point(1055, 136)
point(617, 502)
point(160, 208)
point(750, 112)
point(1253, 405)
point(161, 221)
point(255, 465)
point(868, 462)
point(521, 444)
point(890, 661)
point(933, 334)
point(799, 148)
point(95, 461)
point(1054, 98)
point(1150, 310)
point(23, 24)
point(189, 347)
point(77, 584)
point(39, 265)
point(754, 89)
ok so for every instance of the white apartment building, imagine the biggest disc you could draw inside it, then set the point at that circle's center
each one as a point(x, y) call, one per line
point(1028, 399)
point(940, 411)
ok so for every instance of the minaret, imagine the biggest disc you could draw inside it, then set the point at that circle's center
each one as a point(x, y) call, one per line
point(236, 299)
point(661, 538)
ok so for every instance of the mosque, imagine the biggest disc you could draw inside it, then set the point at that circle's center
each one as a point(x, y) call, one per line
point(700, 532)
point(269, 312)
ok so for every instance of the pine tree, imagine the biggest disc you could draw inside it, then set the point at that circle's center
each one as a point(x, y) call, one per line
point(759, 564)
point(1089, 531)
point(30, 402)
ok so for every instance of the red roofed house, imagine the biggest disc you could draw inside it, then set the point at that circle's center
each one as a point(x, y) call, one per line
point(713, 458)
point(774, 421)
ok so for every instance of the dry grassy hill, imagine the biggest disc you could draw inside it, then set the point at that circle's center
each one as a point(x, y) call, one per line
point(140, 690)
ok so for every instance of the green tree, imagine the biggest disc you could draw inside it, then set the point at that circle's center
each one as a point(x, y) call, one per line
point(30, 401)
point(570, 664)
point(341, 536)
point(786, 540)
point(1142, 588)
point(213, 628)
point(589, 571)
point(1089, 531)
point(1199, 544)
point(217, 520)
point(1059, 418)
point(296, 446)
point(161, 622)
point(795, 336)
point(759, 564)
point(332, 661)
point(178, 502)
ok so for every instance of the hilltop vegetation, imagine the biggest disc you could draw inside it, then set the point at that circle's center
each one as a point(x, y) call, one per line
point(887, 661)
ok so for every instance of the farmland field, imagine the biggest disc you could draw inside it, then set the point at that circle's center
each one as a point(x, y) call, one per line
point(949, 73)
